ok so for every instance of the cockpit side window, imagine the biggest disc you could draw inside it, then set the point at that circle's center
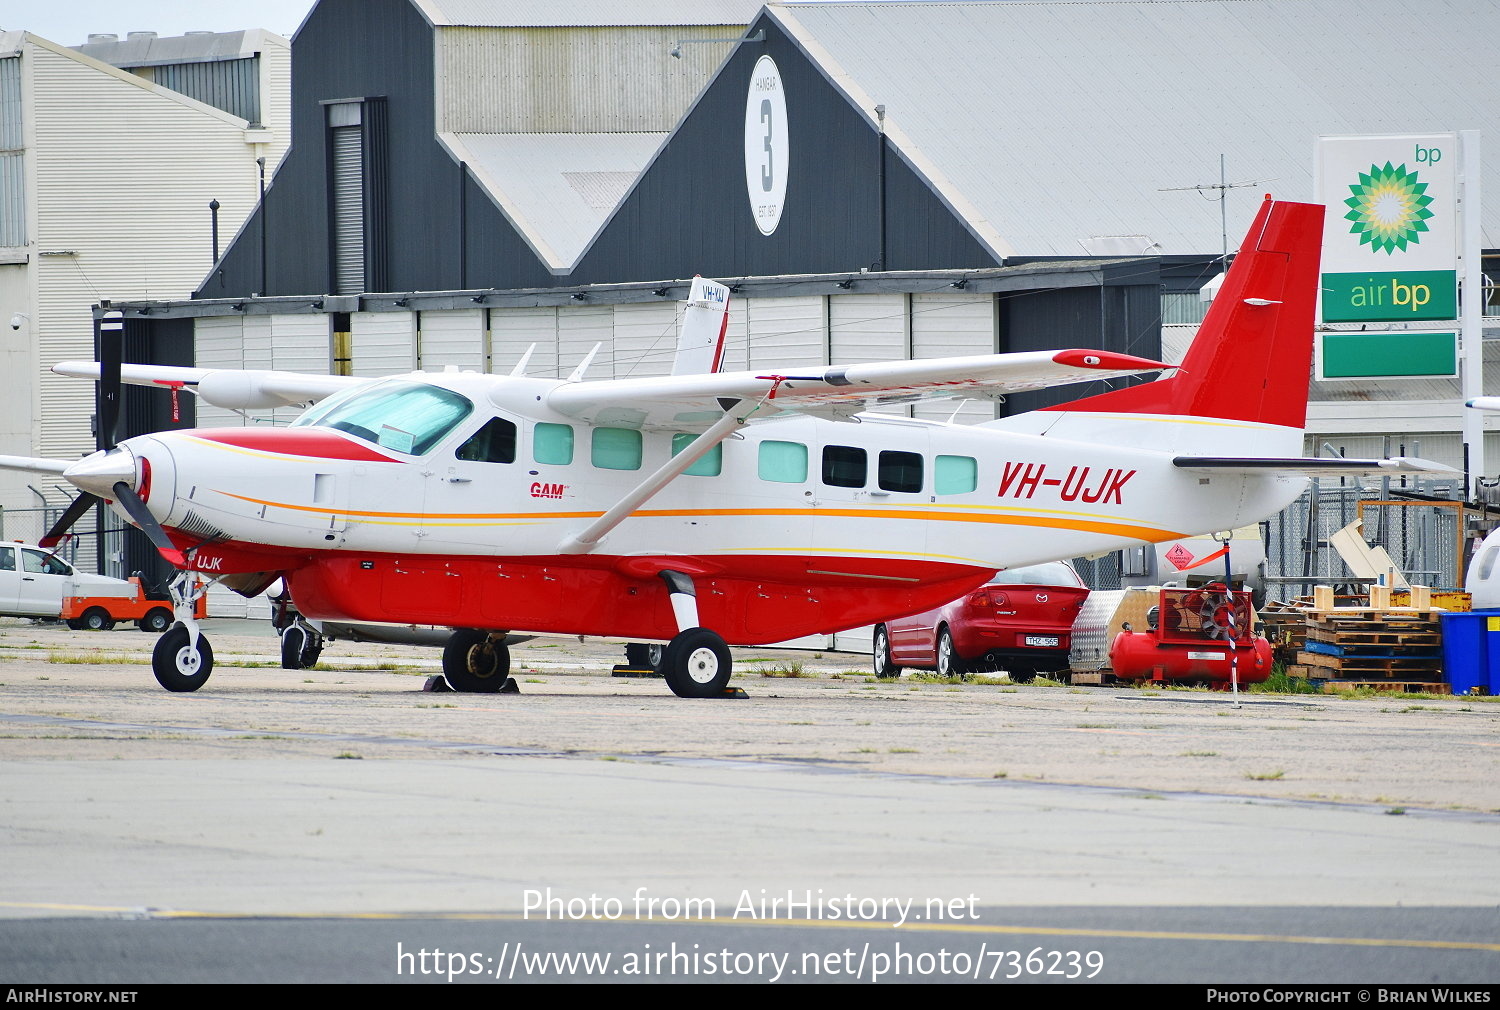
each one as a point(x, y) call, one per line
point(408, 417)
point(494, 443)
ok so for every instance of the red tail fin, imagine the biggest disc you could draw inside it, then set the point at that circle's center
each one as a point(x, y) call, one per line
point(1252, 356)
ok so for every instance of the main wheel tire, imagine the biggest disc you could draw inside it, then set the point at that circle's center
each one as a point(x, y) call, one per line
point(643, 655)
point(293, 645)
point(156, 621)
point(949, 663)
point(696, 664)
point(178, 665)
point(474, 662)
point(96, 619)
point(881, 654)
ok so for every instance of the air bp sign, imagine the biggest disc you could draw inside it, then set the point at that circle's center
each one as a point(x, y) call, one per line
point(1390, 238)
point(766, 145)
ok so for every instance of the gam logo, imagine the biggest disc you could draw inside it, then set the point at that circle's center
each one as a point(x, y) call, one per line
point(539, 489)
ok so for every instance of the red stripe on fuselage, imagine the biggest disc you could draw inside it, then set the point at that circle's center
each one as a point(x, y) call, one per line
point(316, 442)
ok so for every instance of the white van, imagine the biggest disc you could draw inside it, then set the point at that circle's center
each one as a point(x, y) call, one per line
point(35, 583)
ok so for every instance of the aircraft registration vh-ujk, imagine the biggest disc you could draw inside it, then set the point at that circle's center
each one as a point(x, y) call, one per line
point(705, 508)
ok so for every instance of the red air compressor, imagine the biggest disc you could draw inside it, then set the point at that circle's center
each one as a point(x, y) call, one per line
point(1194, 635)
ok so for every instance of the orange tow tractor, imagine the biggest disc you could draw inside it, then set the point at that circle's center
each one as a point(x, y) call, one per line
point(100, 613)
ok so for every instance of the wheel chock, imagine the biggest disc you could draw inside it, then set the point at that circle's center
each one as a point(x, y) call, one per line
point(734, 692)
point(437, 685)
point(509, 687)
point(621, 670)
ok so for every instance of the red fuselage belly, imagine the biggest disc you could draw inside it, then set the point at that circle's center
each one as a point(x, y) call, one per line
point(746, 600)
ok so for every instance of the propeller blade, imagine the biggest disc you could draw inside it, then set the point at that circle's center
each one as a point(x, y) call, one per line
point(111, 350)
point(75, 512)
point(143, 518)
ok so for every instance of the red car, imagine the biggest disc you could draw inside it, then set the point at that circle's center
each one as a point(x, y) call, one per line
point(1021, 621)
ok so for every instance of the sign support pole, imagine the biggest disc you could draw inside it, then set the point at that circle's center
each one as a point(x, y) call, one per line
point(1472, 311)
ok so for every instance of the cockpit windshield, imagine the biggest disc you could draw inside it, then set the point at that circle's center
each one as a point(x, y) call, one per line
point(407, 417)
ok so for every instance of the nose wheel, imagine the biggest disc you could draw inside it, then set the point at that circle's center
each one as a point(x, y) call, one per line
point(181, 660)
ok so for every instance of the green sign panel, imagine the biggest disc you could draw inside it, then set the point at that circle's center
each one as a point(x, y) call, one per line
point(1390, 296)
point(1388, 354)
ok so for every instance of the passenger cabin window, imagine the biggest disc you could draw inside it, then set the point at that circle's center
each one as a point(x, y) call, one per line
point(901, 471)
point(616, 449)
point(552, 443)
point(844, 466)
point(408, 417)
point(955, 475)
point(710, 465)
point(494, 443)
point(783, 462)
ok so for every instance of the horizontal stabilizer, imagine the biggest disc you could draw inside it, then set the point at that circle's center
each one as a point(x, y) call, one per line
point(1305, 466)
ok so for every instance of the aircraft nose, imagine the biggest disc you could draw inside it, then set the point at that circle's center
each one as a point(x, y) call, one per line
point(99, 473)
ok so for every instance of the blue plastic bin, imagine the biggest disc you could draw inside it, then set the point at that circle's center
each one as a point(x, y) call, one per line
point(1471, 651)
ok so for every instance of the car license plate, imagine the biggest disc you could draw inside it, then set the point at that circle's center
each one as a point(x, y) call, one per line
point(1042, 641)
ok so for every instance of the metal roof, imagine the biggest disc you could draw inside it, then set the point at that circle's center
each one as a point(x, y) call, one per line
point(145, 49)
point(1047, 124)
point(557, 188)
point(585, 13)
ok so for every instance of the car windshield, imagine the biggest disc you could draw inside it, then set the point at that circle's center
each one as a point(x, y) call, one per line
point(405, 416)
point(1053, 573)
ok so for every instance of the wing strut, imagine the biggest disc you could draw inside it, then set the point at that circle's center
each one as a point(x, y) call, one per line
point(587, 539)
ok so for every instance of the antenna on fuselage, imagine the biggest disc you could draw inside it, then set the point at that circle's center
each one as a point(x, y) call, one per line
point(583, 366)
point(520, 368)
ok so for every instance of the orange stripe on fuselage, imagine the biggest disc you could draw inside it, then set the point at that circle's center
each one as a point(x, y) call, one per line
point(1110, 528)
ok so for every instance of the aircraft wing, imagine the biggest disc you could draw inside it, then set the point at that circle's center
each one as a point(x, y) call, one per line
point(237, 389)
point(696, 401)
point(1329, 466)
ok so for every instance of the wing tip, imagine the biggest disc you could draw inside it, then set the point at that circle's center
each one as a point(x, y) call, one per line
point(1107, 361)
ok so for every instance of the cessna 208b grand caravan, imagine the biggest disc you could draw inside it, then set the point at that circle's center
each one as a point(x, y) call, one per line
point(709, 508)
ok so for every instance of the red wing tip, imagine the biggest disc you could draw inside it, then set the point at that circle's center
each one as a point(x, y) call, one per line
point(1107, 361)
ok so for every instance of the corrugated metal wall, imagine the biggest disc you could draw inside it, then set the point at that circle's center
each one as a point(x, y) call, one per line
point(123, 181)
point(548, 80)
point(455, 337)
point(12, 157)
point(231, 85)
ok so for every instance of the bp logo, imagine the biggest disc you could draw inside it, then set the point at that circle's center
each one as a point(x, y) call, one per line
point(1388, 208)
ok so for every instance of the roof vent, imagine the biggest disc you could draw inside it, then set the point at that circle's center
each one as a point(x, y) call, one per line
point(103, 37)
point(141, 36)
point(200, 31)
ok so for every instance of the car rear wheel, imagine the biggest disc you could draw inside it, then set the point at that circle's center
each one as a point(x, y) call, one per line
point(949, 663)
point(881, 653)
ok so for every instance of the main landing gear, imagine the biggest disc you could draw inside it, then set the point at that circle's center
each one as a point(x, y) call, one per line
point(696, 662)
point(183, 659)
point(477, 661)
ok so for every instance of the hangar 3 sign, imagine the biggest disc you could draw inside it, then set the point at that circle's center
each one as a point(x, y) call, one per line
point(766, 145)
point(1390, 240)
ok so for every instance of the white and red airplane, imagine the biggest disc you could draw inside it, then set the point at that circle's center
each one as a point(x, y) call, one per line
point(703, 509)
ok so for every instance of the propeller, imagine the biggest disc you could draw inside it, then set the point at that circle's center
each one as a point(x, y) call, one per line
point(111, 332)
